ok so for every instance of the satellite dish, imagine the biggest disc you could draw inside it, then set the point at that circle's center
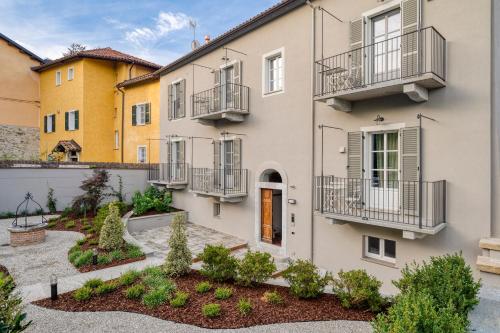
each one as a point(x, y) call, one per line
point(195, 44)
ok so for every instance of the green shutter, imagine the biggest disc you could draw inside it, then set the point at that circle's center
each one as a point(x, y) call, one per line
point(77, 120)
point(66, 121)
point(148, 113)
point(134, 115)
point(45, 124)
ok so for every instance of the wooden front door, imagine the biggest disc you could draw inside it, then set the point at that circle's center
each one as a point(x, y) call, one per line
point(266, 219)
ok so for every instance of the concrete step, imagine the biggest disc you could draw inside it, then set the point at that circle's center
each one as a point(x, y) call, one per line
point(487, 264)
point(490, 244)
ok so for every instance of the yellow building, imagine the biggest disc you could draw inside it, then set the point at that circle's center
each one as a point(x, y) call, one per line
point(81, 114)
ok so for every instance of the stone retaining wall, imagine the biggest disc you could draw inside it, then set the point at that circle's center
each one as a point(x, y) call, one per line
point(18, 142)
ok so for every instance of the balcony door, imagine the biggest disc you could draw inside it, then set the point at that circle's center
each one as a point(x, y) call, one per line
point(383, 191)
point(227, 163)
point(386, 52)
point(177, 160)
point(227, 80)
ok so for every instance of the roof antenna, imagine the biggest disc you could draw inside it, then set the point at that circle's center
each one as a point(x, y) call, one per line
point(194, 44)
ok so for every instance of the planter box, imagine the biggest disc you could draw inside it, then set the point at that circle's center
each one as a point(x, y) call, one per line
point(141, 223)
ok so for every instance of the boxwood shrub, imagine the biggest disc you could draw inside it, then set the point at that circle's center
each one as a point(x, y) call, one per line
point(218, 264)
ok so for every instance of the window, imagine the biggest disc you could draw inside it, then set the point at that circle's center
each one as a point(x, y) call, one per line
point(71, 120)
point(274, 72)
point(176, 100)
point(50, 123)
point(386, 29)
point(384, 157)
point(117, 140)
point(216, 209)
point(73, 156)
point(141, 114)
point(58, 78)
point(379, 248)
point(71, 73)
point(141, 154)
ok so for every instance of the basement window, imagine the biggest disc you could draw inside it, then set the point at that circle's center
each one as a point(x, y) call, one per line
point(216, 209)
point(380, 249)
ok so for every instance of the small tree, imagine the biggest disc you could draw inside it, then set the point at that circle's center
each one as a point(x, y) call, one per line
point(111, 237)
point(74, 48)
point(11, 316)
point(94, 188)
point(51, 201)
point(179, 258)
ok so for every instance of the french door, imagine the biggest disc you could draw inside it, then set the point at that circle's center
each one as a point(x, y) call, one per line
point(386, 53)
point(227, 163)
point(175, 163)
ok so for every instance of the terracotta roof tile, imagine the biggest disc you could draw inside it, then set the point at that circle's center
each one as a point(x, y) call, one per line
point(139, 79)
point(66, 146)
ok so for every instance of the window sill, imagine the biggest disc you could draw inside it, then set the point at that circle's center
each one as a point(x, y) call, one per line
point(272, 93)
point(380, 262)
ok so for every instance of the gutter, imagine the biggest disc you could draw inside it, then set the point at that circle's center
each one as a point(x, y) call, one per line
point(122, 136)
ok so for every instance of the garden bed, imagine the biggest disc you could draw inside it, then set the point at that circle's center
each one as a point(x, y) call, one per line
point(155, 212)
point(325, 307)
point(127, 254)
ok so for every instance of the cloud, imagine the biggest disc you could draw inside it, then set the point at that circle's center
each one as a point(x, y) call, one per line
point(165, 23)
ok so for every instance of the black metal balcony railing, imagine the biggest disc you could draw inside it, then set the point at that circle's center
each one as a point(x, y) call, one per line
point(420, 204)
point(219, 181)
point(169, 173)
point(226, 97)
point(402, 57)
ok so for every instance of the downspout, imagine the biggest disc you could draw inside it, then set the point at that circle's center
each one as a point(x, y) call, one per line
point(130, 70)
point(122, 123)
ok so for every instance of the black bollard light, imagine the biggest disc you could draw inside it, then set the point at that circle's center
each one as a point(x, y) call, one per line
point(53, 287)
point(94, 256)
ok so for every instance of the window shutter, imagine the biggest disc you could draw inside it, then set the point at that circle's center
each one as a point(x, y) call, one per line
point(217, 152)
point(237, 89)
point(170, 102)
point(147, 113)
point(410, 161)
point(169, 159)
point(237, 154)
point(182, 152)
point(53, 122)
point(217, 91)
point(134, 115)
point(410, 22)
point(45, 124)
point(66, 121)
point(356, 33)
point(355, 155)
point(77, 120)
point(182, 99)
point(357, 54)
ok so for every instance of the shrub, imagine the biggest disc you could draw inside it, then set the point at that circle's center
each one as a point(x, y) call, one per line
point(203, 287)
point(93, 241)
point(84, 259)
point(74, 255)
point(104, 259)
point(153, 198)
point(153, 270)
point(179, 258)
point(86, 227)
point(82, 294)
point(106, 288)
point(211, 310)
point(447, 279)
point(416, 312)
point(7, 215)
point(218, 264)
point(180, 299)
point(304, 279)
point(93, 283)
point(94, 188)
point(272, 297)
point(70, 225)
point(111, 237)
point(255, 267)
point(223, 293)
point(51, 201)
point(157, 282)
point(116, 255)
point(155, 298)
point(135, 292)
point(103, 212)
point(12, 319)
point(81, 241)
point(133, 252)
point(129, 277)
point(51, 224)
point(358, 289)
point(245, 306)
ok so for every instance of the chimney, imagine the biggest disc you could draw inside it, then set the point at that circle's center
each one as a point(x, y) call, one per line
point(207, 39)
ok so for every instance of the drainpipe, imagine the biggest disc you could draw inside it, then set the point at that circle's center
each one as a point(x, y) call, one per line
point(130, 70)
point(122, 123)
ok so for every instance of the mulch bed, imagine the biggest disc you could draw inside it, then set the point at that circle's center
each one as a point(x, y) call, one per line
point(155, 212)
point(326, 307)
point(4, 270)
point(60, 226)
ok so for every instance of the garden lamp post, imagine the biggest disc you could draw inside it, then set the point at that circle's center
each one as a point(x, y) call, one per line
point(53, 287)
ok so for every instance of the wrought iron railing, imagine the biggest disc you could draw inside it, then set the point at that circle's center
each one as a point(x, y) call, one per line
point(420, 204)
point(402, 57)
point(226, 97)
point(219, 181)
point(169, 173)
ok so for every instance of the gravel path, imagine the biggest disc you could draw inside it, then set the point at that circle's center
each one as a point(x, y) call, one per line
point(35, 263)
point(45, 320)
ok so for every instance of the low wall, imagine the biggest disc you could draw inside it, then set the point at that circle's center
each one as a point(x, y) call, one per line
point(141, 223)
point(18, 178)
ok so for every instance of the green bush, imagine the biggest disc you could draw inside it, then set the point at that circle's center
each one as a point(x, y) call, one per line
point(416, 312)
point(11, 316)
point(51, 224)
point(84, 259)
point(244, 306)
point(158, 282)
point(255, 267)
point(203, 287)
point(93, 241)
point(111, 237)
point(51, 201)
point(7, 215)
point(82, 294)
point(103, 212)
point(180, 299)
point(357, 289)
point(66, 212)
point(86, 227)
point(129, 277)
point(272, 297)
point(133, 252)
point(106, 288)
point(116, 255)
point(70, 225)
point(155, 298)
point(74, 255)
point(81, 241)
point(153, 270)
point(153, 198)
point(304, 279)
point(93, 283)
point(218, 264)
point(179, 258)
point(135, 292)
point(447, 279)
point(104, 259)
point(223, 293)
point(211, 310)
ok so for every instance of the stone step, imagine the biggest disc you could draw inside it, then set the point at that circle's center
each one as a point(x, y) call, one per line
point(490, 244)
point(487, 264)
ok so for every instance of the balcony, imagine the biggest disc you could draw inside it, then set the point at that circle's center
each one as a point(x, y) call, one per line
point(228, 101)
point(171, 175)
point(416, 208)
point(411, 64)
point(229, 185)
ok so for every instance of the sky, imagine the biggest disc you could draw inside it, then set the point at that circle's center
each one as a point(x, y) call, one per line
point(155, 30)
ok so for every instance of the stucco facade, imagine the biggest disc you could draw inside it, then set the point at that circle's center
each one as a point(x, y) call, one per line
point(281, 133)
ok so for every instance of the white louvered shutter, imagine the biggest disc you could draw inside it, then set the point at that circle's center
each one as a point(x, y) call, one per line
point(170, 102)
point(357, 53)
point(182, 99)
point(215, 105)
point(236, 89)
point(410, 161)
point(410, 25)
point(355, 155)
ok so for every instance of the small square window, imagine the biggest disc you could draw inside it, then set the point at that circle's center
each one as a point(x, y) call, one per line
point(379, 248)
point(216, 209)
point(373, 245)
point(390, 248)
point(71, 73)
point(58, 78)
point(141, 154)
